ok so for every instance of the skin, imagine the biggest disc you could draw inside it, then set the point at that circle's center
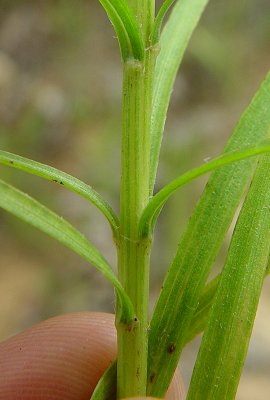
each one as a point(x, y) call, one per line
point(62, 359)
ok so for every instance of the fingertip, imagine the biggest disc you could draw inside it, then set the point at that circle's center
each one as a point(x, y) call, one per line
point(54, 359)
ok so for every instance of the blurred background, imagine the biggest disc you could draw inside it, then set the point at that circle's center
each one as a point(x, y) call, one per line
point(60, 98)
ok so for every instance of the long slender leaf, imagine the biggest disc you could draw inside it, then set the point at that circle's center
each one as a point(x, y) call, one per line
point(224, 346)
point(155, 205)
point(201, 315)
point(126, 27)
point(60, 177)
point(200, 244)
point(34, 213)
point(174, 40)
point(106, 387)
point(159, 20)
point(267, 272)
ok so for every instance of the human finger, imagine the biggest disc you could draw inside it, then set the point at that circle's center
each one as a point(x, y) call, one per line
point(61, 358)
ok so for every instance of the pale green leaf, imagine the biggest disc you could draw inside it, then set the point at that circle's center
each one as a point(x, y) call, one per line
point(200, 244)
point(201, 315)
point(173, 43)
point(60, 177)
point(155, 205)
point(31, 211)
point(106, 387)
point(159, 20)
point(224, 346)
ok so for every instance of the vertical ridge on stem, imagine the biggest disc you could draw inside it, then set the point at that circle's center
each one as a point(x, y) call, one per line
point(133, 259)
point(133, 252)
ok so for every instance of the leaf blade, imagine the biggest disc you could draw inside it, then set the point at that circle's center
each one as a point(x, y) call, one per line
point(201, 315)
point(155, 205)
point(159, 20)
point(225, 342)
point(31, 211)
point(200, 244)
point(53, 174)
point(174, 40)
point(106, 387)
point(126, 27)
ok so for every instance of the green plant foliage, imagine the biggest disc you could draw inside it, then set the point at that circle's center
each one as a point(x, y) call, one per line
point(173, 43)
point(200, 244)
point(106, 387)
point(225, 308)
point(155, 205)
point(68, 181)
point(201, 315)
point(159, 20)
point(126, 27)
point(32, 212)
point(225, 342)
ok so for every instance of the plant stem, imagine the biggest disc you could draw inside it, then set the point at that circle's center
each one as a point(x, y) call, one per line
point(144, 10)
point(133, 253)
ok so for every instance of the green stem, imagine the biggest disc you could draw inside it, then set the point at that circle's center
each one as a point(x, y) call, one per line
point(133, 251)
point(133, 269)
point(144, 10)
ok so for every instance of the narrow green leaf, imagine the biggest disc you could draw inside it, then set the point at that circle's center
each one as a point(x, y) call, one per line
point(155, 205)
point(200, 244)
point(225, 342)
point(126, 28)
point(34, 213)
point(106, 387)
point(55, 175)
point(174, 40)
point(159, 20)
point(267, 272)
point(201, 315)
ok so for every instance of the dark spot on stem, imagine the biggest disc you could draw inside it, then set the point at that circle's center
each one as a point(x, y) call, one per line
point(11, 162)
point(152, 377)
point(171, 348)
point(60, 182)
point(129, 328)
